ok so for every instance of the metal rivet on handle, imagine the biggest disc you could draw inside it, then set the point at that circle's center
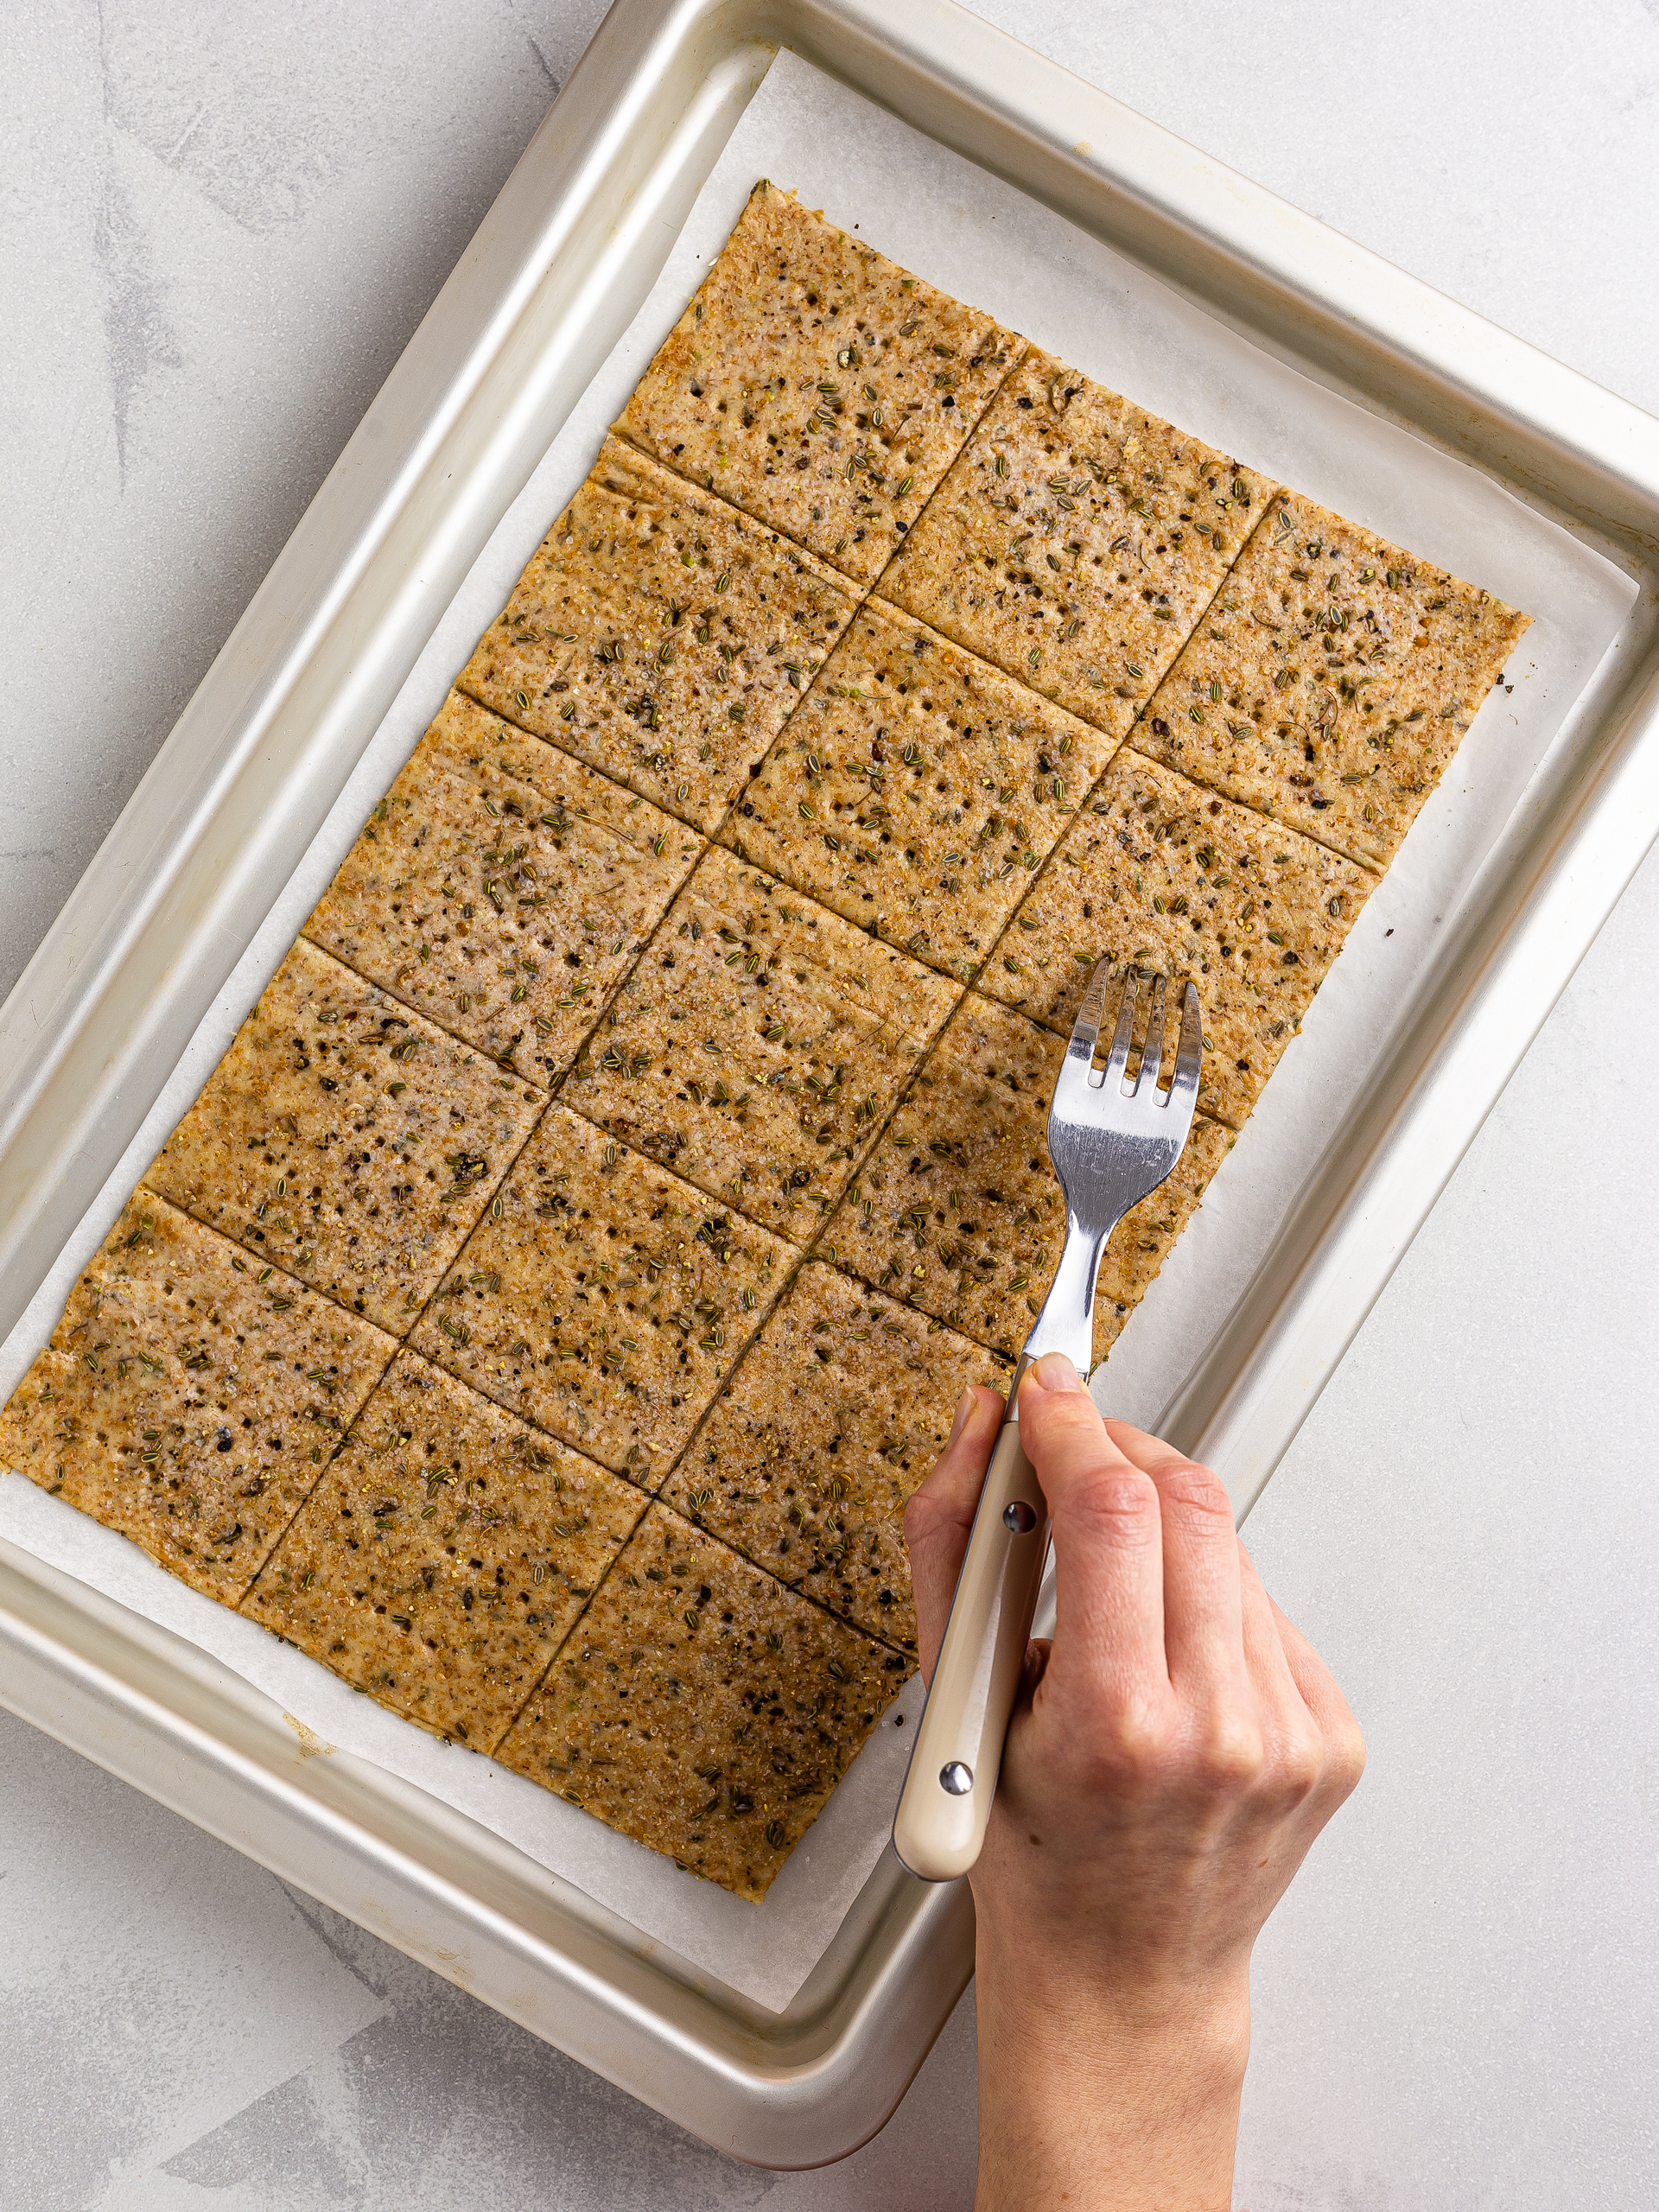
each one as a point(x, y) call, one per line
point(956, 1778)
point(1018, 1517)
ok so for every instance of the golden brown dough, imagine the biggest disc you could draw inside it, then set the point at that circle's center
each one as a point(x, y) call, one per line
point(1161, 875)
point(918, 789)
point(1331, 682)
point(758, 1046)
point(189, 1397)
point(809, 1457)
point(444, 1555)
point(503, 888)
point(603, 1298)
point(659, 634)
point(346, 1139)
point(701, 1709)
point(814, 383)
point(1075, 541)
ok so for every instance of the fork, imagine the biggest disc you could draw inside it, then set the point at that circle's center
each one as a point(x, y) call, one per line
point(1112, 1144)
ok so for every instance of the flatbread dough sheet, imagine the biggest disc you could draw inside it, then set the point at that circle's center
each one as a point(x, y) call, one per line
point(918, 789)
point(603, 1298)
point(668, 1063)
point(346, 1139)
point(809, 1457)
point(660, 635)
point(444, 1555)
point(190, 1397)
point(704, 1709)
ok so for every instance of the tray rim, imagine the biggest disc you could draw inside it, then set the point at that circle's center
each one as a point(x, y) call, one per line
point(555, 273)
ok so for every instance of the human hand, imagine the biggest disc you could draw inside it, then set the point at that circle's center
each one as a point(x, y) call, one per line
point(1173, 1754)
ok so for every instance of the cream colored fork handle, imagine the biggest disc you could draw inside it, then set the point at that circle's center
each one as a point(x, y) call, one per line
point(946, 1799)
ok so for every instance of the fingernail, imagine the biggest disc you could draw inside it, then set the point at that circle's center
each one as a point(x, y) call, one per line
point(1055, 1372)
point(964, 1407)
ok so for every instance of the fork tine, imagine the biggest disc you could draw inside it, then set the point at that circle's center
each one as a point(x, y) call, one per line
point(1080, 1053)
point(1189, 1054)
point(1152, 1053)
point(1117, 1059)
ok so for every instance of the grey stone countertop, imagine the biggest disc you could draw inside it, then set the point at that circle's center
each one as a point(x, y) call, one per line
point(222, 224)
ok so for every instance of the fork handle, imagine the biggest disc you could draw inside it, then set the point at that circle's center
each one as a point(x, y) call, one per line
point(954, 1761)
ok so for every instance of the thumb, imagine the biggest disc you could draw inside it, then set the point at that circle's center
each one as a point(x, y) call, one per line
point(940, 1515)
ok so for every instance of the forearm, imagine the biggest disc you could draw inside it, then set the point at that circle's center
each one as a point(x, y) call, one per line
point(1087, 2102)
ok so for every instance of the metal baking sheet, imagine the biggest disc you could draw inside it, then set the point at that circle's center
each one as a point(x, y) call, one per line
point(516, 344)
point(984, 239)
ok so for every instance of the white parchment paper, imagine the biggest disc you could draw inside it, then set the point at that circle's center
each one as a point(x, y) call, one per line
point(980, 240)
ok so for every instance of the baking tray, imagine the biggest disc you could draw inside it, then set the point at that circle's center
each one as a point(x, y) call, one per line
point(200, 856)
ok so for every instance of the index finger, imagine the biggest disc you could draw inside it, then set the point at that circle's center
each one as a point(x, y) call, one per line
point(939, 1516)
point(1108, 1567)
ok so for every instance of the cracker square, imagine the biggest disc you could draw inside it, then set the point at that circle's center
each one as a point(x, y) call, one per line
point(659, 634)
point(957, 1209)
point(444, 1555)
point(816, 384)
point(1331, 682)
point(840, 1406)
point(602, 1298)
point(916, 789)
point(346, 1139)
point(1162, 875)
point(757, 1047)
point(702, 1709)
point(503, 889)
point(188, 1400)
point(1077, 541)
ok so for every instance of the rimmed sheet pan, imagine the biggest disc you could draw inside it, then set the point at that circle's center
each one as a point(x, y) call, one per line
point(1201, 295)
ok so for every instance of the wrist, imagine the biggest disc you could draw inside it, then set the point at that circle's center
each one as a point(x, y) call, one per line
point(1117, 2092)
point(1097, 1990)
point(1057, 2035)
